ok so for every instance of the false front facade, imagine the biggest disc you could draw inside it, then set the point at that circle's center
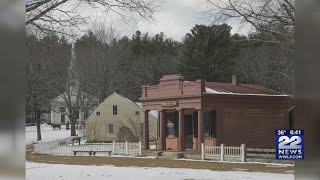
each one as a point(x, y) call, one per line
point(191, 113)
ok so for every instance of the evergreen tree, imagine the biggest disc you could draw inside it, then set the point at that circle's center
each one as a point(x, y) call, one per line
point(208, 53)
point(153, 56)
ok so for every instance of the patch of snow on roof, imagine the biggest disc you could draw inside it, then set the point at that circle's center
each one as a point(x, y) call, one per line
point(213, 91)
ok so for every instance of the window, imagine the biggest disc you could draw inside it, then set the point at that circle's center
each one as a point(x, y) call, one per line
point(195, 124)
point(209, 120)
point(137, 112)
point(213, 125)
point(172, 124)
point(98, 113)
point(115, 110)
point(63, 109)
point(210, 124)
point(207, 126)
point(110, 128)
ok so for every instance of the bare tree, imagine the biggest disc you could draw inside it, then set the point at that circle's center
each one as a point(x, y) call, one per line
point(277, 14)
point(266, 57)
point(96, 70)
point(269, 66)
point(74, 98)
point(130, 127)
point(61, 16)
point(104, 62)
point(44, 70)
point(92, 131)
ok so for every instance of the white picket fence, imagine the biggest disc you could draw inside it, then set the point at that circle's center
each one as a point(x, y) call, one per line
point(222, 151)
point(45, 147)
point(128, 149)
point(116, 148)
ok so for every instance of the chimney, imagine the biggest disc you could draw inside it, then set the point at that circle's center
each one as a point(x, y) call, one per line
point(235, 79)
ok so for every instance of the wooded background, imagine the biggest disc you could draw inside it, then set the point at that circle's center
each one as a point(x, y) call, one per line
point(106, 62)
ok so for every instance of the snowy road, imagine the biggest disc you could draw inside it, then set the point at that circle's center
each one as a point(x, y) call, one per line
point(39, 171)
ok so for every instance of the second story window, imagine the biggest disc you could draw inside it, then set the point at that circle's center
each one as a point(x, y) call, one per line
point(98, 113)
point(63, 109)
point(115, 110)
point(137, 112)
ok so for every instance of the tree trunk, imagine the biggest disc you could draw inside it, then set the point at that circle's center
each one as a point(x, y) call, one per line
point(37, 116)
point(73, 125)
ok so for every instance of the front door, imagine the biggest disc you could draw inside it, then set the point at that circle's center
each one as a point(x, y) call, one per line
point(188, 131)
point(63, 118)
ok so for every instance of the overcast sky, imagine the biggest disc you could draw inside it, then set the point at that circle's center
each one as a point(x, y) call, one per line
point(175, 19)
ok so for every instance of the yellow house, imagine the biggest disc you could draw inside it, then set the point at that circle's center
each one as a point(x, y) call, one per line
point(118, 118)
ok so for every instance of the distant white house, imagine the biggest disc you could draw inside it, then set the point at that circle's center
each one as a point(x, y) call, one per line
point(59, 109)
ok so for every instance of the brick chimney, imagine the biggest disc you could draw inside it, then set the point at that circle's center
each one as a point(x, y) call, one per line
point(235, 79)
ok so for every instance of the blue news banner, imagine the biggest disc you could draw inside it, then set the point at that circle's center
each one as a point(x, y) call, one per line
point(290, 144)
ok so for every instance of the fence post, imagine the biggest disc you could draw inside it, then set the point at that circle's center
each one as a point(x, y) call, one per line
point(243, 152)
point(127, 150)
point(222, 152)
point(202, 151)
point(113, 147)
point(140, 148)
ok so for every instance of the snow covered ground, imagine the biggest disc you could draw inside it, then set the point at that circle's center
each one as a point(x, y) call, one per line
point(39, 171)
point(47, 133)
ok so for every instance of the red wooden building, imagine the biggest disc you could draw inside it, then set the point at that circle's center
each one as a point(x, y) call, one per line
point(192, 112)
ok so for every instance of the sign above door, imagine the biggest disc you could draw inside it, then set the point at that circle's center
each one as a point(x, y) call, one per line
point(169, 103)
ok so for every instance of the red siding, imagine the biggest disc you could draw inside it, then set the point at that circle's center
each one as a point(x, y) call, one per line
point(172, 143)
point(253, 127)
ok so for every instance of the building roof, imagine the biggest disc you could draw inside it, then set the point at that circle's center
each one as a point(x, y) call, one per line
point(239, 89)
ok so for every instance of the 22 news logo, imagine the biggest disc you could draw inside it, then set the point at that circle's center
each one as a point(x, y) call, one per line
point(290, 144)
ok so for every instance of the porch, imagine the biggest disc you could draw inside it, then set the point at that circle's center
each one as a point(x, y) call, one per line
point(183, 129)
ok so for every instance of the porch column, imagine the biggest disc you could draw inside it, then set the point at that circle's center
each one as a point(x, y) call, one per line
point(146, 130)
point(181, 131)
point(163, 126)
point(200, 129)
